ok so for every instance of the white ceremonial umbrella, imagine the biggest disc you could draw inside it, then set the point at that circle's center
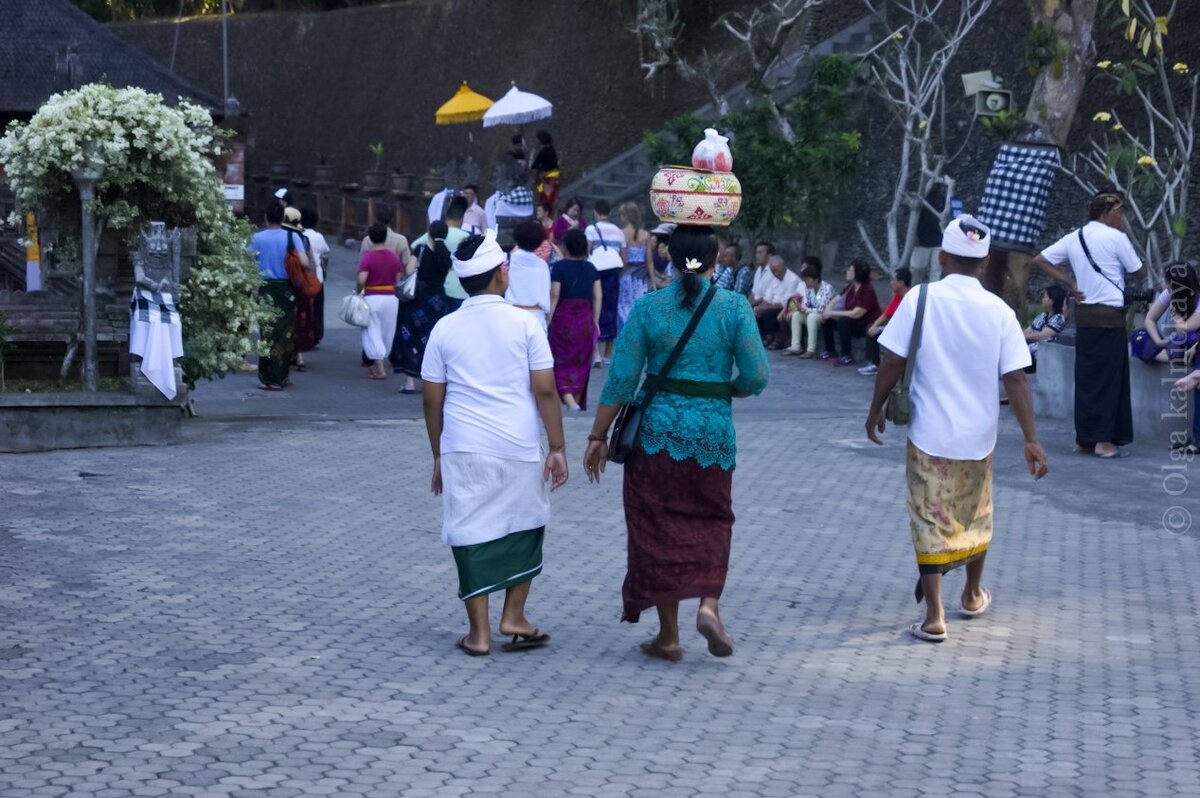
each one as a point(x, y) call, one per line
point(516, 108)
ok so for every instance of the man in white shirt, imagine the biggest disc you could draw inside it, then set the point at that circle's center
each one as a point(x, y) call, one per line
point(606, 251)
point(475, 217)
point(1102, 261)
point(967, 338)
point(763, 251)
point(455, 235)
point(487, 376)
point(395, 241)
point(770, 296)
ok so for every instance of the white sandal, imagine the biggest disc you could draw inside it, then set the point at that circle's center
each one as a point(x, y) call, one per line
point(984, 607)
point(918, 632)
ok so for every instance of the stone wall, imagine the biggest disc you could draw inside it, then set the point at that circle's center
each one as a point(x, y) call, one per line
point(333, 82)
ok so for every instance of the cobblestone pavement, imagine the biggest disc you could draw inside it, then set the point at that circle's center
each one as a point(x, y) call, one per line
point(266, 610)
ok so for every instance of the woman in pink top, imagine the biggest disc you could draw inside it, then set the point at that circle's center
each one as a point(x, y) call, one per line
point(379, 271)
point(571, 219)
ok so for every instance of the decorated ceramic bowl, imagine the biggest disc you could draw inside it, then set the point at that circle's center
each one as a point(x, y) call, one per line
point(685, 195)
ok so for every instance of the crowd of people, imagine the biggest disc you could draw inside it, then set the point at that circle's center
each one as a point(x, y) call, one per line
point(504, 341)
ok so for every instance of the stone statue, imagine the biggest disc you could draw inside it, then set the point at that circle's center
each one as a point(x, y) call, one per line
point(156, 260)
point(155, 329)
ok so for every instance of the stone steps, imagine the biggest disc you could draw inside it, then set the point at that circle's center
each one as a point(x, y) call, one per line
point(627, 176)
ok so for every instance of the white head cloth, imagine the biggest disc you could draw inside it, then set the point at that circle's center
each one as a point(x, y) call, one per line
point(487, 257)
point(971, 243)
point(280, 193)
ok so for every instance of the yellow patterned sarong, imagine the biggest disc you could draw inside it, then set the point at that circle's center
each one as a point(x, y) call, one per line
point(949, 509)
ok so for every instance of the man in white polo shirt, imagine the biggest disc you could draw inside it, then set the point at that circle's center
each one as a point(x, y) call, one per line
point(968, 338)
point(770, 295)
point(487, 376)
point(1102, 261)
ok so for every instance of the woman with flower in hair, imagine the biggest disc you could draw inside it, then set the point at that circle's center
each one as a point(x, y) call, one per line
point(678, 480)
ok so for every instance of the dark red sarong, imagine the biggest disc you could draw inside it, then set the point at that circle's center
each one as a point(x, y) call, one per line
point(679, 518)
point(573, 342)
point(306, 335)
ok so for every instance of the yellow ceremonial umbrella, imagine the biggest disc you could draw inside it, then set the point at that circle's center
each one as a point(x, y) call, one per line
point(464, 106)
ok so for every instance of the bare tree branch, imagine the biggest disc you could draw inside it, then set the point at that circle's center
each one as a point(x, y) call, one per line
point(908, 72)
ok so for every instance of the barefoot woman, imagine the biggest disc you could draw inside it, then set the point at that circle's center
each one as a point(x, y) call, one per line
point(678, 509)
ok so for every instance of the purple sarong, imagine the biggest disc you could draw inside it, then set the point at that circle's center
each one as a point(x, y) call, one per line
point(573, 341)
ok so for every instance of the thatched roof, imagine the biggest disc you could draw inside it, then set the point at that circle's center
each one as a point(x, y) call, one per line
point(48, 46)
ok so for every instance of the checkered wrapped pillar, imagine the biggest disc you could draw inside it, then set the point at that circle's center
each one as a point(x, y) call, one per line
point(1017, 192)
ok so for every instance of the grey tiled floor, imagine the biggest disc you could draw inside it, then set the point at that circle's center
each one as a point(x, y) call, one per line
point(267, 610)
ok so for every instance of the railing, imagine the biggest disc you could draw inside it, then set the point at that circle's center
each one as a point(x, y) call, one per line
point(347, 211)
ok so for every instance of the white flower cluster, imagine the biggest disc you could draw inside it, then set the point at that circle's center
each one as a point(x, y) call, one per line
point(157, 165)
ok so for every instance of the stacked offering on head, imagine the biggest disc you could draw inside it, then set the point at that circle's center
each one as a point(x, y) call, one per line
point(707, 193)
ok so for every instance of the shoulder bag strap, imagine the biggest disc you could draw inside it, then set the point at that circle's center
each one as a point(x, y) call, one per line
point(918, 323)
point(600, 235)
point(1088, 253)
point(653, 380)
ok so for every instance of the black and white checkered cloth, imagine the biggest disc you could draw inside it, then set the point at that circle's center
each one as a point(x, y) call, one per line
point(518, 195)
point(153, 307)
point(1017, 192)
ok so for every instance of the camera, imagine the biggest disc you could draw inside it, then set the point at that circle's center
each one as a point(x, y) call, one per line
point(1139, 295)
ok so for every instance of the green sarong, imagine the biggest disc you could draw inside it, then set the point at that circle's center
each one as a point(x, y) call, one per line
point(273, 367)
point(498, 564)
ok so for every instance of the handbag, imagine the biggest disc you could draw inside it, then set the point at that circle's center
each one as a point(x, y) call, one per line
point(355, 310)
point(407, 290)
point(303, 281)
point(606, 258)
point(898, 408)
point(629, 421)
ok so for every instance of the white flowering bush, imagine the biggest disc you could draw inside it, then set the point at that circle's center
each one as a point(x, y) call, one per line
point(157, 166)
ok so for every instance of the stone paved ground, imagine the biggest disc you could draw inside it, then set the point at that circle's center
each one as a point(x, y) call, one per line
point(267, 610)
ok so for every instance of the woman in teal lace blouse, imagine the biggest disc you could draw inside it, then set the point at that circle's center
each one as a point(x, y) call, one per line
point(677, 485)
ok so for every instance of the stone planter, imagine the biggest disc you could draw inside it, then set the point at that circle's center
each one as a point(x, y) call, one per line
point(323, 175)
point(373, 180)
point(39, 422)
point(1158, 414)
point(403, 184)
point(432, 184)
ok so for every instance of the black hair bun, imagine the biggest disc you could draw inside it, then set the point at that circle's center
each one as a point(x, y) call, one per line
point(470, 245)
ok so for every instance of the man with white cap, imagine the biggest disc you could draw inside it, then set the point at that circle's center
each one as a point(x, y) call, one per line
point(487, 376)
point(961, 338)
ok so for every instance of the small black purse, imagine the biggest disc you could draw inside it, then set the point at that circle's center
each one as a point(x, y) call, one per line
point(629, 420)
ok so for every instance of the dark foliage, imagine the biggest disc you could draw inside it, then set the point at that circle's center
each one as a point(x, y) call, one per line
point(122, 10)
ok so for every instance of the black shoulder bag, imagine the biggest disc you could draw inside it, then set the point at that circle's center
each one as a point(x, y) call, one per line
point(629, 420)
